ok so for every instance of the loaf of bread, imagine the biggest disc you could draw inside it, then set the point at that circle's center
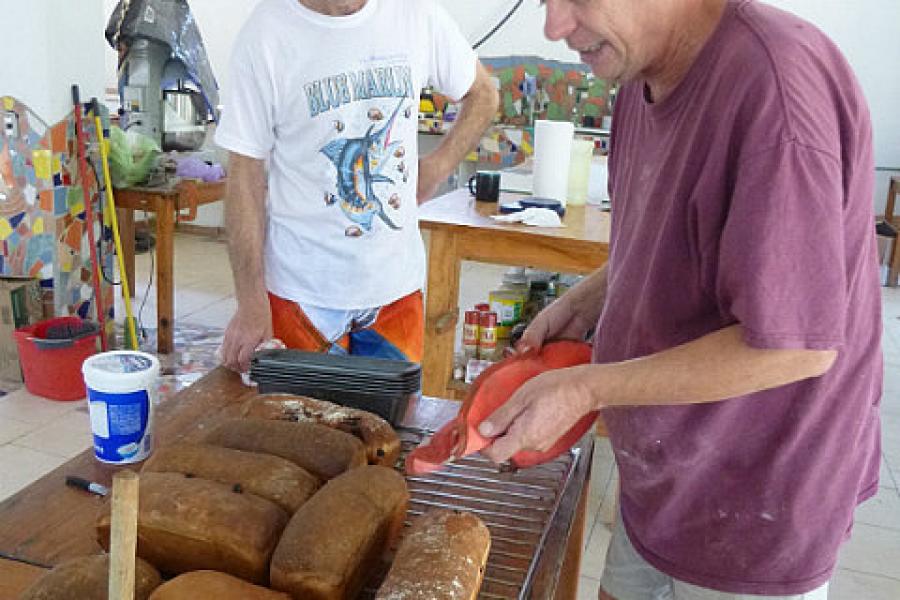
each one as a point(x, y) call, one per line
point(442, 557)
point(381, 441)
point(270, 477)
point(210, 585)
point(87, 578)
point(320, 450)
point(335, 540)
point(189, 524)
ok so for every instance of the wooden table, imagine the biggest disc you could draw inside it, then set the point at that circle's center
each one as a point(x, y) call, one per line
point(461, 229)
point(47, 522)
point(172, 203)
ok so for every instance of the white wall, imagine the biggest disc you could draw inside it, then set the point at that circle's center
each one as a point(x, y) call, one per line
point(522, 34)
point(49, 45)
point(867, 33)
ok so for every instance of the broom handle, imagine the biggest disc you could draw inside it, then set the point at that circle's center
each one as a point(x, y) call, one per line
point(111, 204)
point(81, 149)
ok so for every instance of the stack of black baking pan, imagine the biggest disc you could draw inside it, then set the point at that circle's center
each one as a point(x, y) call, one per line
point(381, 386)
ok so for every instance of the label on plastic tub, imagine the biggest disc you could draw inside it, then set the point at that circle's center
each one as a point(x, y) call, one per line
point(121, 424)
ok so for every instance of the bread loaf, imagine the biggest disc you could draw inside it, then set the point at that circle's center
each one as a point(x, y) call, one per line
point(270, 477)
point(188, 524)
point(381, 441)
point(210, 585)
point(334, 541)
point(442, 557)
point(87, 578)
point(324, 452)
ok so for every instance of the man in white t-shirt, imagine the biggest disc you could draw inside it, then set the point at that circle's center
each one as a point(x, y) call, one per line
point(325, 177)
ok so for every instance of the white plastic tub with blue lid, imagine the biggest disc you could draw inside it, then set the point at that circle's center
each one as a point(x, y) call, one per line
point(121, 388)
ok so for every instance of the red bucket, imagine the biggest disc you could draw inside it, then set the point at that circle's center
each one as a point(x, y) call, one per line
point(51, 353)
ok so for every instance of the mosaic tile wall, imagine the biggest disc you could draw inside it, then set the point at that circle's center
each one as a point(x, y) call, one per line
point(533, 88)
point(557, 88)
point(43, 230)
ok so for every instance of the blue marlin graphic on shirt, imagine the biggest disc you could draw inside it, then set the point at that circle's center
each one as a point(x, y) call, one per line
point(360, 163)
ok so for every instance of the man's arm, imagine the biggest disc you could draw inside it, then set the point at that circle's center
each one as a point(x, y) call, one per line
point(715, 367)
point(478, 108)
point(245, 221)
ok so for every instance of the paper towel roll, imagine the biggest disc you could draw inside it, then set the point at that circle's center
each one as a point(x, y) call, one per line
point(552, 152)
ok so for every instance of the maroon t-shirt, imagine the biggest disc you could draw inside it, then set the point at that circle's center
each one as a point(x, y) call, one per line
point(746, 197)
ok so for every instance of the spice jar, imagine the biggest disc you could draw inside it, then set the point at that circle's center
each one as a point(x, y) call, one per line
point(487, 342)
point(471, 333)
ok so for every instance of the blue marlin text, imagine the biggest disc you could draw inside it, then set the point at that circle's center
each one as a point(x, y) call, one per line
point(382, 82)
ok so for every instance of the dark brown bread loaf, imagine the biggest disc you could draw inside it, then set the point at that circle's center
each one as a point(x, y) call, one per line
point(442, 557)
point(188, 524)
point(324, 452)
point(87, 578)
point(270, 477)
point(334, 541)
point(381, 441)
point(210, 585)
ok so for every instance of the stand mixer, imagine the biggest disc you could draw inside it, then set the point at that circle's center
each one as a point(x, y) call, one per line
point(166, 86)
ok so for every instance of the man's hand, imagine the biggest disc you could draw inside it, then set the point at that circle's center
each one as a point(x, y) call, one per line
point(249, 327)
point(571, 317)
point(539, 413)
point(559, 321)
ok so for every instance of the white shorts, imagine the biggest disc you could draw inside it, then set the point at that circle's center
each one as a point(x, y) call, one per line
point(627, 576)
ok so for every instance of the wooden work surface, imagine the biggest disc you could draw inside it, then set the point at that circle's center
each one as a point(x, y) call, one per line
point(47, 522)
point(171, 203)
point(461, 229)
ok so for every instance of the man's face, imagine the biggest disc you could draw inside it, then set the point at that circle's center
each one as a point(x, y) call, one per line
point(613, 37)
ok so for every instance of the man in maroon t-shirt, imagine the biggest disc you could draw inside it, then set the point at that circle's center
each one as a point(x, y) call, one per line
point(738, 320)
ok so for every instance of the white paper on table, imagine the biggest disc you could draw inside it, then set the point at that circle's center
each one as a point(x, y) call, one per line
point(537, 217)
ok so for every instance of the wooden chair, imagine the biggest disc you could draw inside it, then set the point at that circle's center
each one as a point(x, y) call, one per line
point(893, 192)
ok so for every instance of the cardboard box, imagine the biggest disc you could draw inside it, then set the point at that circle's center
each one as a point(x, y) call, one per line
point(21, 304)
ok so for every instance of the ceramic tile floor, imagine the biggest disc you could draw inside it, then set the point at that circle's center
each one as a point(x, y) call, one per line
point(37, 435)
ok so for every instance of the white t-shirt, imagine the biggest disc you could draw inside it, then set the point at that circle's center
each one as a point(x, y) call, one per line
point(332, 104)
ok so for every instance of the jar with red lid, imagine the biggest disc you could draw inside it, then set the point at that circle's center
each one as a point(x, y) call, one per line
point(471, 333)
point(487, 341)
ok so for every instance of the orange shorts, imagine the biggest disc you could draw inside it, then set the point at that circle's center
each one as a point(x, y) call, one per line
point(398, 331)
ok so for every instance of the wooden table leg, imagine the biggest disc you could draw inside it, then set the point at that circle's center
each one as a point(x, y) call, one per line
point(441, 313)
point(125, 217)
point(165, 263)
point(570, 573)
point(894, 264)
